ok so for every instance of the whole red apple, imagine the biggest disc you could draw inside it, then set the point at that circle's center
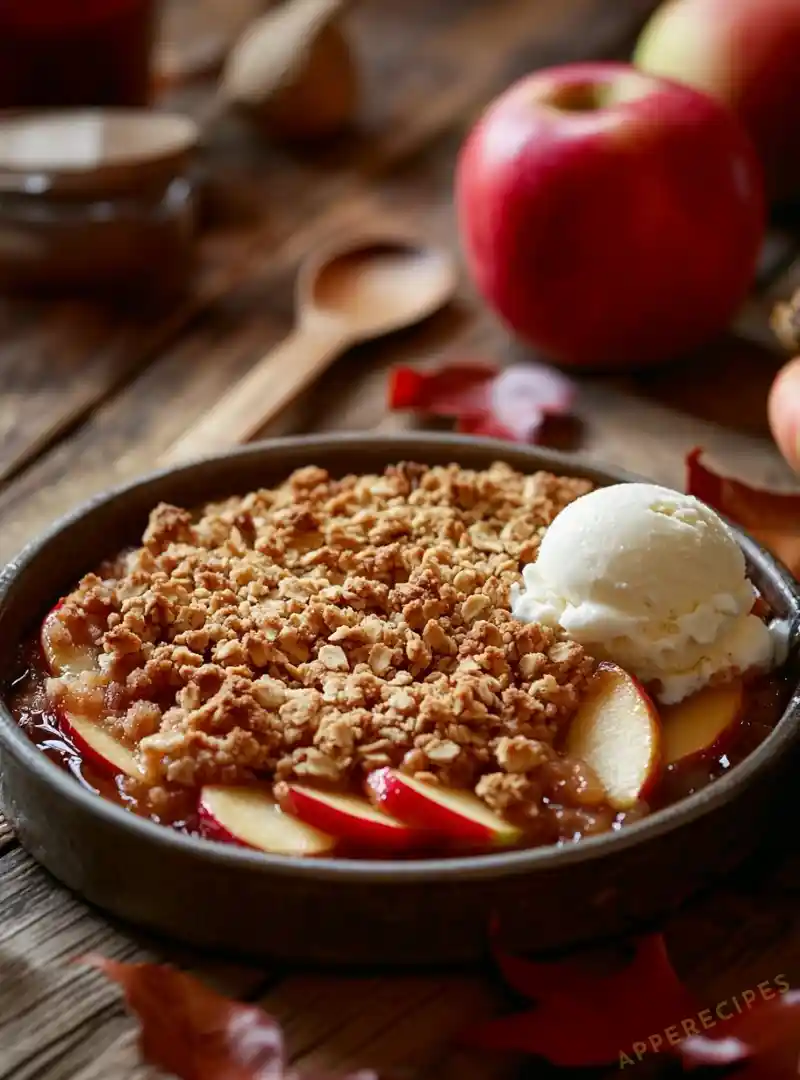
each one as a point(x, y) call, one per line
point(746, 53)
point(609, 217)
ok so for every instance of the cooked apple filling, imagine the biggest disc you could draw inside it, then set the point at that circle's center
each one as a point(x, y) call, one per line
point(328, 640)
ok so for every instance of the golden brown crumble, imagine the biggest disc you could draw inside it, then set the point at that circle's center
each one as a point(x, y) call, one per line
point(328, 627)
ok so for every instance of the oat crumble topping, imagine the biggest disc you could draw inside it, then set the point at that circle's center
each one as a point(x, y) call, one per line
point(327, 627)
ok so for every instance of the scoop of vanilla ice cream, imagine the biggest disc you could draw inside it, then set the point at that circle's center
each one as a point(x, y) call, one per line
point(652, 580)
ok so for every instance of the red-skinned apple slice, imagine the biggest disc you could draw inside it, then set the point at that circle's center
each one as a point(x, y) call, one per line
point(96, 745)
point(249, 816)
point(702, 724)
point(617, 732)
point(457, 815)
point(61, 656)
point(347, 817)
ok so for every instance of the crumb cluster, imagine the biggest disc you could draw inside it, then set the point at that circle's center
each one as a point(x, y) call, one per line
point(328, 627)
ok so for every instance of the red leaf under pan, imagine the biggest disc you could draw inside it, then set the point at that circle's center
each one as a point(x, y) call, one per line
point(590, 1011)
point(772, 517)
point(509, 404)
point(197, 1034)
point(588, 1017)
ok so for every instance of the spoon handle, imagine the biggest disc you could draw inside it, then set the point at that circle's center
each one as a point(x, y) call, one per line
point(270, 385)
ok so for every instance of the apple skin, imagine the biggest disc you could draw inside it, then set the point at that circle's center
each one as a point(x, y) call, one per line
point(249, 817)
point(348, 818)
point(458, 816)
point(610, 237)
point(745, 53)
point(99, 748)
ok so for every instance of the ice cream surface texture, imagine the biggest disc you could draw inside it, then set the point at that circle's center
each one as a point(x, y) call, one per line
point(652, 580)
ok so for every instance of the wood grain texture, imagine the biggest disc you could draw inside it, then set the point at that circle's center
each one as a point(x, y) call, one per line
point(91, 397)
point(60, 1019)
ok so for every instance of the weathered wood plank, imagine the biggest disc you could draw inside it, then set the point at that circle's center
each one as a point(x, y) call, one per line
point(59, 1019)
point(391, 1023)
point(404, 1025)
point(52, 1009)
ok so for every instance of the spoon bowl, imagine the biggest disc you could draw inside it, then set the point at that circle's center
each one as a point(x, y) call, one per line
point(376, 287)
point(346, 293)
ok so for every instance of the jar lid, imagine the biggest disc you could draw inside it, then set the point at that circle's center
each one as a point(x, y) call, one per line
point(93, 153)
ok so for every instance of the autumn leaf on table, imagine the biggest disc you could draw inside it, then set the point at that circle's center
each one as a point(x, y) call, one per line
point(507, 404)
point(772, 517)
point(583, 1017)
point(764, 1043)
point(197, 1034)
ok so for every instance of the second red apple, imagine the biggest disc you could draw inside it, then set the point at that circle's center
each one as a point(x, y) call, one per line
point(746, 53)
point(611, 218)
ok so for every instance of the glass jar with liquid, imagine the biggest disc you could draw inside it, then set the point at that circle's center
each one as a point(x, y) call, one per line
point(97, 201)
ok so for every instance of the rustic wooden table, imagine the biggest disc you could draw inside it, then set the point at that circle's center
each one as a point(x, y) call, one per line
point(91, 398)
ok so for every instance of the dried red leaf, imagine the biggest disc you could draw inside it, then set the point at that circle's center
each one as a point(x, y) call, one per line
point(772, 517)
point(455, 389)
point(589, 1018)
point(510, 404)
point(767, 1039)
point(196, 1033)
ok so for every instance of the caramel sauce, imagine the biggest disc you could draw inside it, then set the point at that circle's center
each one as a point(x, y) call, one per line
point(765, 700)
point(39, 720)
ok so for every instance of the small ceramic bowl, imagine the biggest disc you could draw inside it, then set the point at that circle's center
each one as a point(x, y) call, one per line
point(336, 911)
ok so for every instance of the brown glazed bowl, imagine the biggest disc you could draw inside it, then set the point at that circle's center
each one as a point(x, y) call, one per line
point(330, 910)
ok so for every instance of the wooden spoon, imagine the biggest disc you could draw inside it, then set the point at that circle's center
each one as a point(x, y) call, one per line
point(345, 294)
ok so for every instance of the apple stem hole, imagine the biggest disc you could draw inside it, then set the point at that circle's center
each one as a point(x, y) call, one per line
point(587, 97)
point(580, 97)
